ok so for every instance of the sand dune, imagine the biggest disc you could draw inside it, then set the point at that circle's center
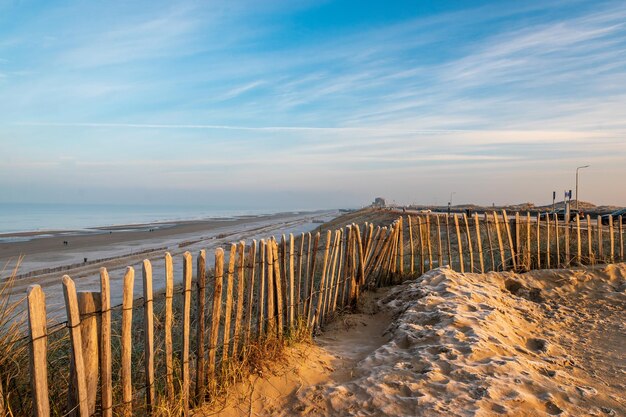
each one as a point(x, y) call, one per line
point(542, 343)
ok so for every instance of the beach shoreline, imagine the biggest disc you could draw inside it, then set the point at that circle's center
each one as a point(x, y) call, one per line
point(45, 259)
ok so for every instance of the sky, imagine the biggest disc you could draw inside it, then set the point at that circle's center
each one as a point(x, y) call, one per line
point(311, 104)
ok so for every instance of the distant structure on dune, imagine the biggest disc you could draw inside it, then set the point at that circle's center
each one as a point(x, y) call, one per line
point(379, 202)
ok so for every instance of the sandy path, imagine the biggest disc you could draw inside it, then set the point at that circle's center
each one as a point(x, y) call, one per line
point(307, 368)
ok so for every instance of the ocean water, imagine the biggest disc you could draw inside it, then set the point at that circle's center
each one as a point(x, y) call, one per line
point(26, 217)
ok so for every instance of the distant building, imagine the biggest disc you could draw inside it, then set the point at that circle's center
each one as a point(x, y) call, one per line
point(379, 202)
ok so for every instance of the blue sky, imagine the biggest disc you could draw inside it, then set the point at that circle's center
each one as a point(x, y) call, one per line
point(302, 104)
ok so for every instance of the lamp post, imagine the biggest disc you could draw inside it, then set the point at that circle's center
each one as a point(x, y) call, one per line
point(450, 201)
point(584, 166)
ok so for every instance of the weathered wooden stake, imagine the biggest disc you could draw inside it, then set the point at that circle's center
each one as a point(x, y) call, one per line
point(409, 222)
point(468, 236)
point(493, 259)
point(590, 240)
point(611, 240)
point(439, 244)
point(106, 378)
point(621, 238)
point(459, 243)
point(184, 360)
point(148, 334)
point(228, 308)
point(78, 382)
point(579, 248)
point(430, 251)
point(479, 242)
point(241, 283)
point(88, 308)
point(200, 329)
point(449, 241)
point(127, 340)
point(600, 239)
point(421, 236)
point(500, 245)
point(279, 291)
point(538, 240)
point(311, 278)
point(169, 318)
point(556, 238)
point(292, 301)
point(505, 220)
point(320, 297)
point(216, 315)
point(38, 336)
point(251, 281)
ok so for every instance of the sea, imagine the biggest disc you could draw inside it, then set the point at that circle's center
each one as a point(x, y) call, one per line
point(39, 217)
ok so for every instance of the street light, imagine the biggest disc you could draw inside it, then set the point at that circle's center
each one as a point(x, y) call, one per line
point(584, 166)
point(450, 201)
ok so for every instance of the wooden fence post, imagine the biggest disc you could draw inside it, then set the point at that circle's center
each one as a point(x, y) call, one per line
point(430, 252)
point(241, 282)
point(88, 308)
point(469, 241)
point(408, 220)
point(305, 311)
point(517, 238)
point(459, 243)
point(590, 240)
point(106, 376)
point(528, 243)
point(579, 248)
point(421, 236)
point(320, 298)
point(333, 268)
point(169, 318)
point(311, 279)
point(621, 238)
point(505, 220)
point(251, 262)
point(261, 312)
point(292, 301)
point(500, 245)
point(271, 311)
point(566, 233)
point(127, 340)
point(299, 285)
point(38, 336)
point(200, 329)
point(449, 241)
point(359, 255)
point(556, 238)
point(148, 334)
point(493, 259)
point(339, 268)
point(78, 383)
point(538, 240)
point(479, 242)
point(611, 240)
point(600, 239)
point(278, 290)
point(439, 244)
point(216, 316)
point(184, 360)
point(230, 277)
point(548, 243)
point(400, 244)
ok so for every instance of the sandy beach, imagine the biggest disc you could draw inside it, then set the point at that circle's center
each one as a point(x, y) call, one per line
point(542, 343)
point(127, 245)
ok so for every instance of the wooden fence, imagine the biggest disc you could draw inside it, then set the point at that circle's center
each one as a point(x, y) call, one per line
point(265, 292)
